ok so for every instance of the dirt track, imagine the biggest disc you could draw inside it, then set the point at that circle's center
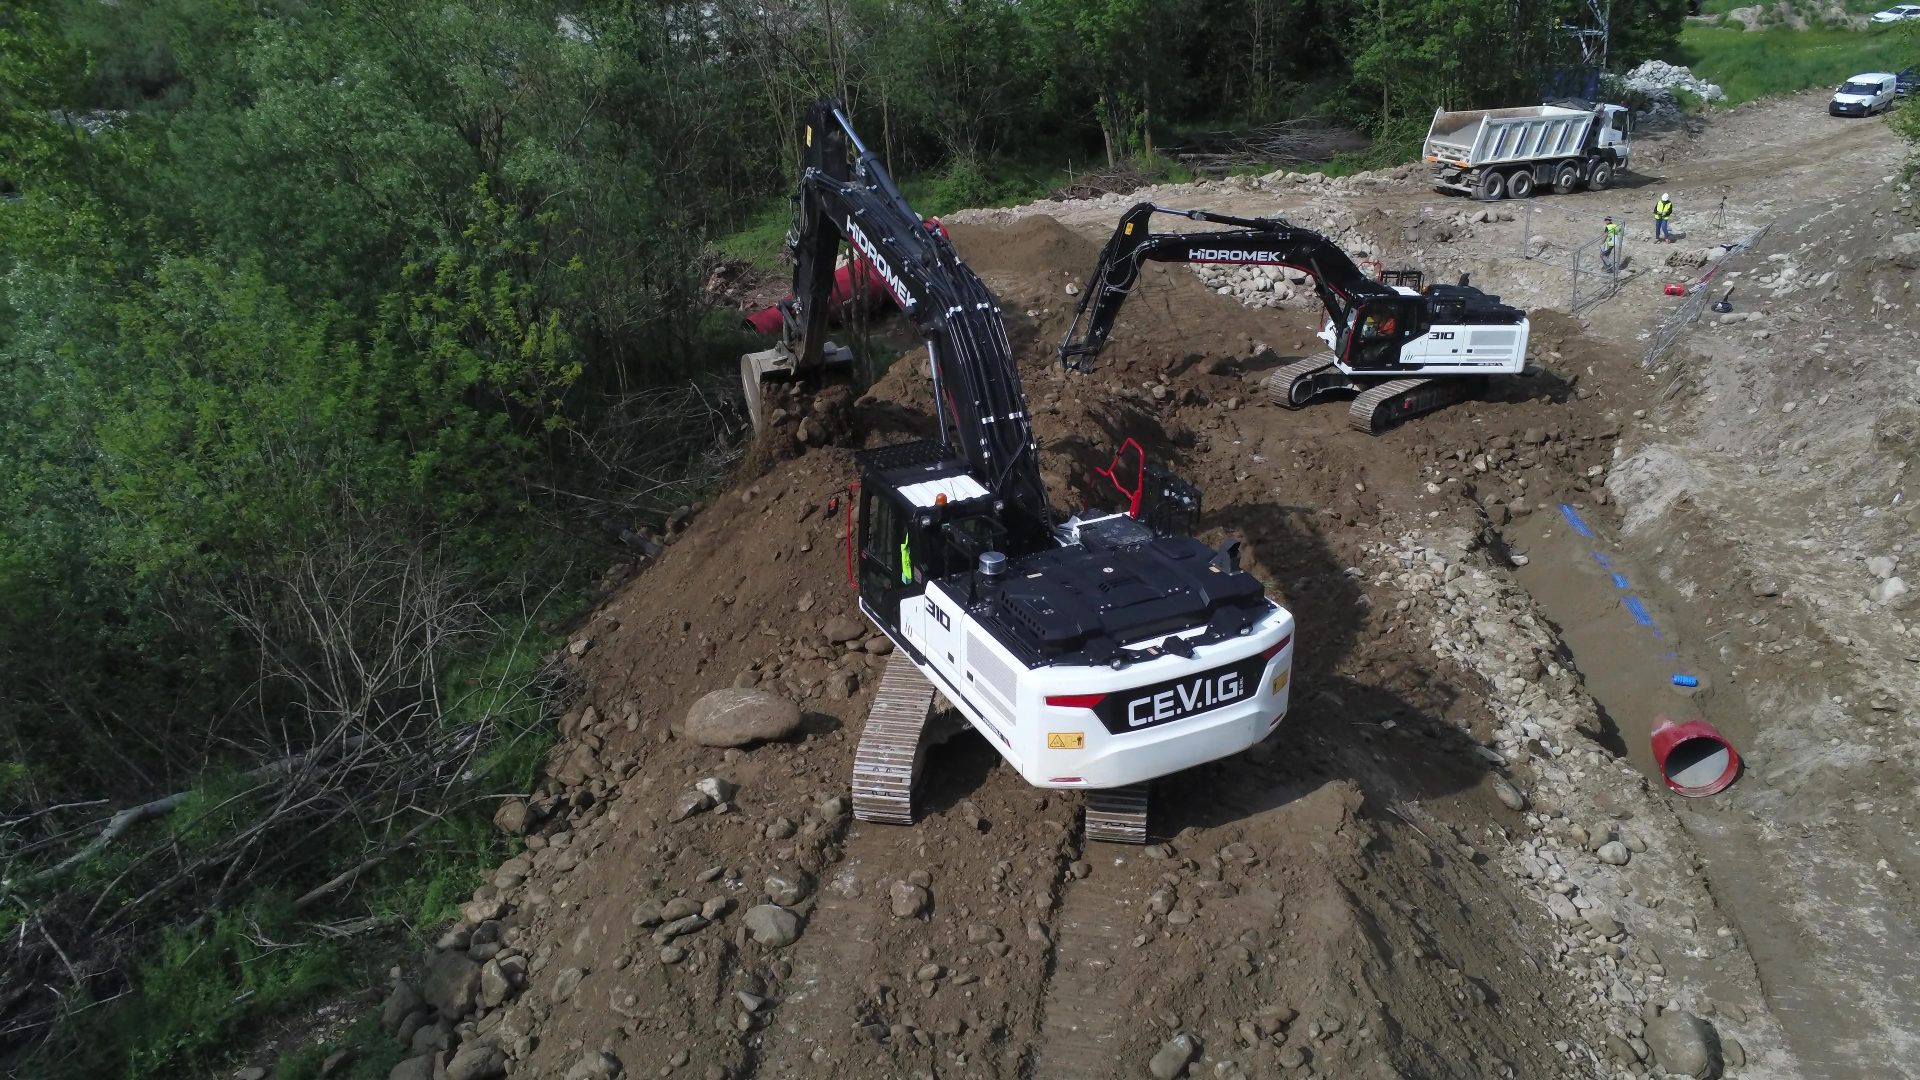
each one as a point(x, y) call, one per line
point(1403, 881)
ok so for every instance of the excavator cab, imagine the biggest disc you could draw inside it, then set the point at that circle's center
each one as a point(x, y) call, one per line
point(1375, 328)
point(922, 518)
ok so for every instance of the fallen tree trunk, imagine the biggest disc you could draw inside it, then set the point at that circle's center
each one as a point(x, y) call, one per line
point(119, 823)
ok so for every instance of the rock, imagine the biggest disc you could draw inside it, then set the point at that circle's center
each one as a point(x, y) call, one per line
point(840, 629)
point(452, 984)
point(909, 901)
point(841, 685)
point(648, 913)
point(565, 983)
point(495, 986)
point(513, 817)
point(414, 1068)
point(715, 788)
point(417, 1019)
point(1173, 1056)
point(689, 804)
point(1613, 853)
point(1603, 922)
point(981, 933)
point(879, 646)
point(512, 872)
point(735, 717)
point(480, 1060)
point(251, 1072)
point(1683, 1043)
point(400, 1004)
point(337, 1061)
point(1621, 1049)
point(928, 973)
point(715, 909)
point(679, 928)
point(1562, 908)
point(788, 887)
point(1889, 590)
point(678, 908)
point(772, 926)
point(479, 911)
point(598, 1065)
point(1881, 566)
point(1508, 795)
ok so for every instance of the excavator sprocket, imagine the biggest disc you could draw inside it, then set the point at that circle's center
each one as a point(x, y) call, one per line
point(1118, 815)
point(886, 763)
point(1382, 407)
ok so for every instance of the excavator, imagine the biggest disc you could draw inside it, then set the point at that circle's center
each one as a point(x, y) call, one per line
point(1097, 653)
point(1401, 349)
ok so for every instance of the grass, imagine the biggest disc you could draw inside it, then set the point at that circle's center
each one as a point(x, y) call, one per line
point(1750, 65)
point(202, 993)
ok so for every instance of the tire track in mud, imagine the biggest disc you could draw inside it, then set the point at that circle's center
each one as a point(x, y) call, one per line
point(824, 991)
point(1094, 924)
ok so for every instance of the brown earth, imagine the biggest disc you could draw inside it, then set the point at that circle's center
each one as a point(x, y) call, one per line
point(1407, 880)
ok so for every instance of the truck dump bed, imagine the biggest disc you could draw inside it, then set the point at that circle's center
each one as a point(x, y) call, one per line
point(1476, 137)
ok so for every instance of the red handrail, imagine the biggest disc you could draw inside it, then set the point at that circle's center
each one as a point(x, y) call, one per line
point(1139, 476)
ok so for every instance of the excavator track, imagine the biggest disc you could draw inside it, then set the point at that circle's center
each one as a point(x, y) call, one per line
point(1381, 407)
point(1299, 383)
point(886, 763)
point(1118, 815)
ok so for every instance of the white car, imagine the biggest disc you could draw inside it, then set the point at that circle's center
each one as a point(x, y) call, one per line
point(1898, 13)
point(1863, 95)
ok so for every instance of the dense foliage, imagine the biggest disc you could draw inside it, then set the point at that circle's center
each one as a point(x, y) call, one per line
point(314, 309)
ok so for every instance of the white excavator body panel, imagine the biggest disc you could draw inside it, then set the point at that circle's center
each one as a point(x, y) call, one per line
point(1094, 726)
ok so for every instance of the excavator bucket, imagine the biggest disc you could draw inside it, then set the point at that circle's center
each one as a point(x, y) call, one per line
point(780, 364)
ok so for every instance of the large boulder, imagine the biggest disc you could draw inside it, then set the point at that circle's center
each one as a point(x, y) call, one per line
point(1683, 1043)
point(452, 984)
point(414, 1068)
point(736, 717)
point(399, 1005)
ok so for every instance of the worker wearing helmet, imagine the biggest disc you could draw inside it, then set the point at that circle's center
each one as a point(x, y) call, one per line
point(1662, 219)
point(1609, 248)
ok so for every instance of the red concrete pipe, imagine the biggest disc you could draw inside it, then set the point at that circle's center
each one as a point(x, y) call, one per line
point(767, 319)
point(1694, 758)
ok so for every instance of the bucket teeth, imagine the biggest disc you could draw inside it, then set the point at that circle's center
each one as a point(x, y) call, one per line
point(886, 763)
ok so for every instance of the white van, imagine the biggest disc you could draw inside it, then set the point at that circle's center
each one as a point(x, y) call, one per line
point(1863, 95)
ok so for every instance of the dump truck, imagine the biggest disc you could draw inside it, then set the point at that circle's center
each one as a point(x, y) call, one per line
point(1495, 154)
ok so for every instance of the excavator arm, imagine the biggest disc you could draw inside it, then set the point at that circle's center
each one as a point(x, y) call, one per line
point(1341, 286)
point(847, 195)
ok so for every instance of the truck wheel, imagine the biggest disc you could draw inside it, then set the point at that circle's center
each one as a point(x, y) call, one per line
point(1492, 187)
point(1600, 177)
point(1520, 184)
point(1566, 178)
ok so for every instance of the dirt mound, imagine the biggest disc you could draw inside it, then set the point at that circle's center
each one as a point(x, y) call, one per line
point(1316, 906)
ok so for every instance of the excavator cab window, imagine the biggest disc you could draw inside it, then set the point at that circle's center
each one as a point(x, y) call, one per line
point(1375, 330)
point(887, 553)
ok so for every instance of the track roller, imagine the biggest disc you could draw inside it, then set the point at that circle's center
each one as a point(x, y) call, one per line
point(886, 763)
point(1381, 407)
point(1118, 815)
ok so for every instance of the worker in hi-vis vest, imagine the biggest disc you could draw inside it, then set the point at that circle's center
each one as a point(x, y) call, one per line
point(1610, 247)
point(1663, 219)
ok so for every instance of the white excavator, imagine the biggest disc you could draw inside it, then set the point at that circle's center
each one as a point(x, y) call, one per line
point(1094, 654)
point(1401, 349)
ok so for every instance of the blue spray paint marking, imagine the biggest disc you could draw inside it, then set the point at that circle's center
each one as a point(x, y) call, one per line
point(1638, 610)
point(1685, 680)
point(1619, 581)
point(1574, 519)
